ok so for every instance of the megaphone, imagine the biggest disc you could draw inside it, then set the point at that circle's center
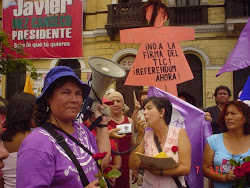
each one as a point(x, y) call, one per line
point(104, 72)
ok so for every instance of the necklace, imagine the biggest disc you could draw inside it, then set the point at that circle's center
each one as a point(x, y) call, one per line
point(117, 120)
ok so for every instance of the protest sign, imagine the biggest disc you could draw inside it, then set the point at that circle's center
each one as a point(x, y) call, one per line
point(45, 28)
point(160, 61)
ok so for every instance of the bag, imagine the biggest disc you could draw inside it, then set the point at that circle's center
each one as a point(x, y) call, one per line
point(176, 179)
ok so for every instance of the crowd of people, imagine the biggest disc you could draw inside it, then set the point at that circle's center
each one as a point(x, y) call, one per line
point(44, 145)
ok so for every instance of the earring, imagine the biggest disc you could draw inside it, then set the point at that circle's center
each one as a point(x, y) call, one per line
point(47, 109)
point(161, 115)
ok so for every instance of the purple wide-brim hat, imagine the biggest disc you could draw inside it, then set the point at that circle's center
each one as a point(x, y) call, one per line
point(58, 72)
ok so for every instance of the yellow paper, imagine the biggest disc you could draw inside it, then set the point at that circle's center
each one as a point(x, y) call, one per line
point(161, 155)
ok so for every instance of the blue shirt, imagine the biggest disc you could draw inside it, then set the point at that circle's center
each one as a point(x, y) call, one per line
point(222, 157)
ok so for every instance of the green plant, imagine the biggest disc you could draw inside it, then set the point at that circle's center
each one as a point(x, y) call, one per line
point(13, 59)
point(101, 175)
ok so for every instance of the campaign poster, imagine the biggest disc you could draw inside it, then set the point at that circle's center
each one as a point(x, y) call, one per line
point(45, 28)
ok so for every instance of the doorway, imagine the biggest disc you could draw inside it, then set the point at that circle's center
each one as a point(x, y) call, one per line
point(194, 87)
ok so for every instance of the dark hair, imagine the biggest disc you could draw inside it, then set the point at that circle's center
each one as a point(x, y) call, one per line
point(224, 88)
point(20, 111)
point(189, 98)
point(42, 113)
point(142, 92)
point(157, 5)
point(243, 108)
point(161, 102)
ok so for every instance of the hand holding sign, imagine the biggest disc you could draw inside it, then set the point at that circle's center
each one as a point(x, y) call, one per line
point(137, 103)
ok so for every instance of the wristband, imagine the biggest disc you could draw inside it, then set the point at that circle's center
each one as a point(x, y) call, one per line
point(102, 125)
point(161, 173)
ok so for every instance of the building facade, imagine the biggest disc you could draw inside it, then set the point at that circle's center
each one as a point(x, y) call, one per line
point(217, 24)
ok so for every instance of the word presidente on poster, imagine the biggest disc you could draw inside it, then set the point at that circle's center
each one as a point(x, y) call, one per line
point(45, 28)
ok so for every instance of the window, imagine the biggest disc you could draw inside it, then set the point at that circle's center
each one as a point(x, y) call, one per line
point(185, 3)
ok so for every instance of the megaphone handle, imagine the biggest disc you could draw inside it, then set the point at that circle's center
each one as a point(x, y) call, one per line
point(99, 100)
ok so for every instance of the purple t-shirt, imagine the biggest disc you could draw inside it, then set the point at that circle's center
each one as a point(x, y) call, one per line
point(41, 162)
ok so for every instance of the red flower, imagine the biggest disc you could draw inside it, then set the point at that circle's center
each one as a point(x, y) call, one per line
point(246, 167)
point(174, 149)
point(239, 172)
point(98, 156)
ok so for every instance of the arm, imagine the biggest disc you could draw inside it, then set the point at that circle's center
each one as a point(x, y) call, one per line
point(132, 136)
point(102, 136)
point(136, 110)
point(184, 149)
point(134, 160)
point(208, 162)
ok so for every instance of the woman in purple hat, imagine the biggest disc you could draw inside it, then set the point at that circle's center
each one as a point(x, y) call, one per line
point(43, 159)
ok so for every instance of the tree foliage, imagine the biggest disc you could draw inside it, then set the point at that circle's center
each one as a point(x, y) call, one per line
point(13, 59)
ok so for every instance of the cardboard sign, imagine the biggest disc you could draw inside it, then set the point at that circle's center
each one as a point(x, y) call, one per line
point(160, 61)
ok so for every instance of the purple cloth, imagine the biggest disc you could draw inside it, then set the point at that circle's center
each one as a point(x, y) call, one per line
point(240, 56)
point(198, 130)
point(245, 95)
point(41, 162)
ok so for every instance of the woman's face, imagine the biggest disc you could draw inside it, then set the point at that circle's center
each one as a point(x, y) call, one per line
point(151, 113)
point(143, 98)
point(66, 102)
point(222, 96)
point(234, 118)
point(117, 106)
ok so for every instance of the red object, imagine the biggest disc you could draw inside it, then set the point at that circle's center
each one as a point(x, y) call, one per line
point(106, 101)
point(239, 172)
point(98, 156)
point(174, 149)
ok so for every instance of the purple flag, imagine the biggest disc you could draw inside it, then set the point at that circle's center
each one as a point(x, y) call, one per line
point(240, 56)
point(198, 129)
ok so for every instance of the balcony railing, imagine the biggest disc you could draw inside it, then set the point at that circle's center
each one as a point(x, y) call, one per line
point(237, 8)
point(193, 15)
point(123, 16)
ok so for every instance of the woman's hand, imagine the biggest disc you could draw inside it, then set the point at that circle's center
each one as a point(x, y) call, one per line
point(208, 117)
point(137, 106)
point(140, 126)
point(134, 176)
point(230, 176)
point(97, 112)
point(151, 168)
point(113, 134)
point(93, 184)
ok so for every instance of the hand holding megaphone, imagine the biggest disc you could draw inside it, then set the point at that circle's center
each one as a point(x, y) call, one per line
point(104, 72)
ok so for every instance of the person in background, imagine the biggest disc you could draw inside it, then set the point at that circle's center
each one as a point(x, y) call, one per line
point(157, 112)
point(222, 95)
point(4, 154)
point(191, 100)
point(125, 143)
point(187, 97)
point(20, 119)
point(220, 148)
point(138, 104)
point(41, 161)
